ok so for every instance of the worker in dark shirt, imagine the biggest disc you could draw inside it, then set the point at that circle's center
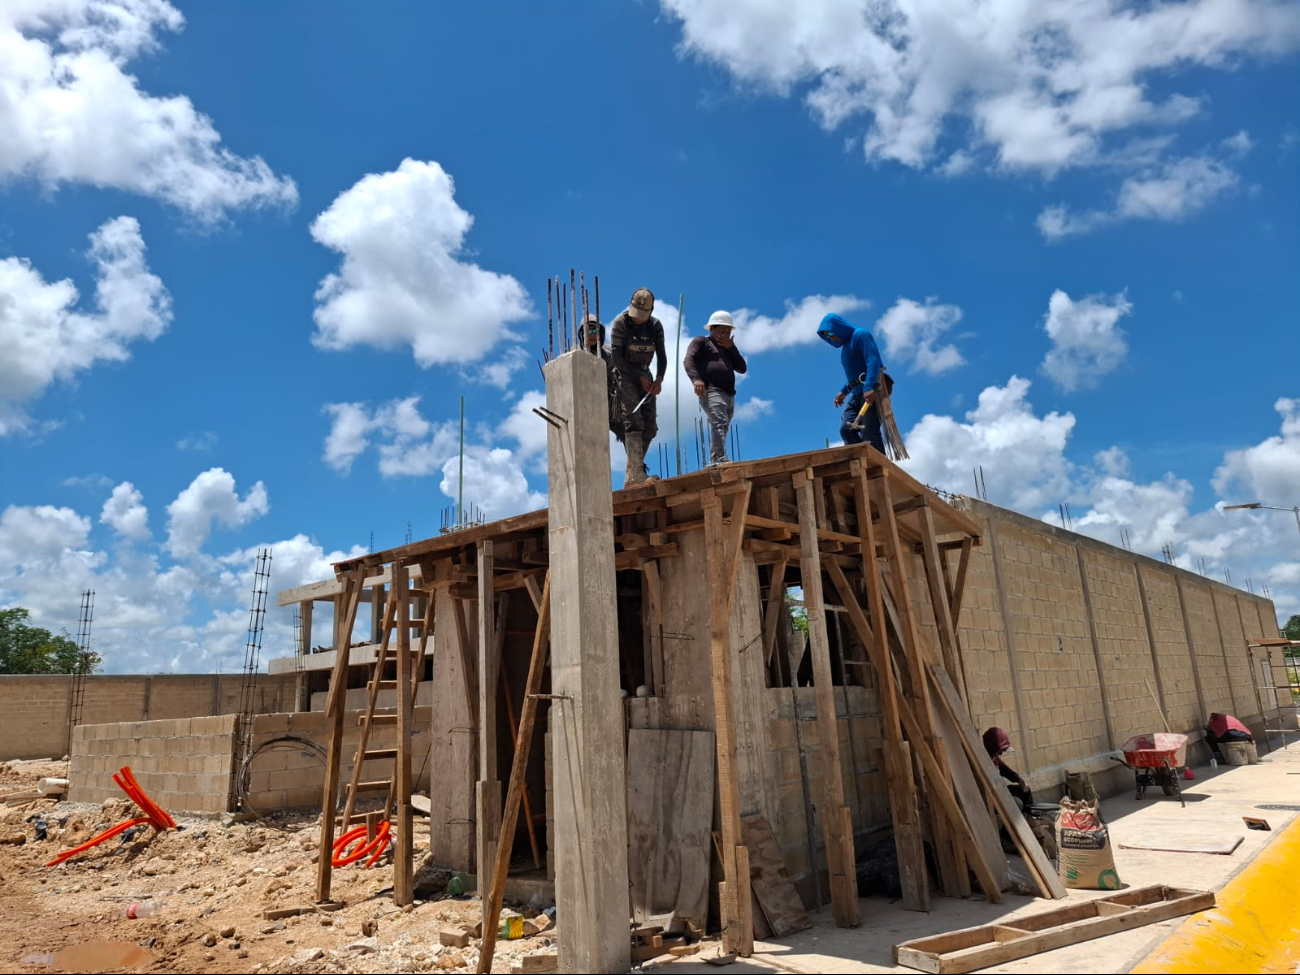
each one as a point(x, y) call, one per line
point(998, 743)
point(637, 340)
point(593, 340)
point(712, 362)
point(1224, 728)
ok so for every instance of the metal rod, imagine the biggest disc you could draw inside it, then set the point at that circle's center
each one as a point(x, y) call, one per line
point(597, 283)
point(677, 387)
point(460, 487)
point(573, 301)
point(550, 318)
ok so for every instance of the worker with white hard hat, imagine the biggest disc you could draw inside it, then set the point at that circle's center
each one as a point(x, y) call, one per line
point(712, 362)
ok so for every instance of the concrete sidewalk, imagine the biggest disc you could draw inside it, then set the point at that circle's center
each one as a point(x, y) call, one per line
point(1216, 802)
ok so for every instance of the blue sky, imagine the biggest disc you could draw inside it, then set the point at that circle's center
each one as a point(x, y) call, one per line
point(298, 234)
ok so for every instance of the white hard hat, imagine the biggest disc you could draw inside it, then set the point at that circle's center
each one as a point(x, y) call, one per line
point(720, 318)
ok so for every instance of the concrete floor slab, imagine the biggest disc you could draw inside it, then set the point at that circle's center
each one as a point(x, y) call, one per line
point(1216, 802)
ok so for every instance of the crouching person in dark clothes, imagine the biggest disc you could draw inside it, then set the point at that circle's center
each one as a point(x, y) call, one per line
point(998, 743)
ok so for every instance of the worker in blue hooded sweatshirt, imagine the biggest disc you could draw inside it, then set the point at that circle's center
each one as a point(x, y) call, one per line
point(862, 368)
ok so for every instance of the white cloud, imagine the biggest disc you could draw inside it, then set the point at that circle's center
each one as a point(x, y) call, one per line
point(798, 326)
point(754, 408)
point(125, 512)
point(1171, 192)
point(502, 371)
point(910, 331)
point(526, 427)
point(494, 482)
point(1239, 144)
point(210, 497)
point(46, 339)
point(1087, 341)
point(1269, 471)
point(402, 280)
point(201, 442)
point(406, 442)
point(1040, 86)
point(1022, 454)
point(70, 112)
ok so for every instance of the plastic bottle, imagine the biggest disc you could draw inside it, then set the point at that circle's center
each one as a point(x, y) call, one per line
point(1214, 762)
point(512, 928)
point(142, 909)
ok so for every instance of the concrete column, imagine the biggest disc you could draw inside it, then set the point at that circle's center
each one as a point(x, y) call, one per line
point(586, 719)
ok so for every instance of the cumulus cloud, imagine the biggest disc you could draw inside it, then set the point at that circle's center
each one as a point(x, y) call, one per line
point(1269, 471)
point(798, 326)
point(502, 371)
point(126, 513)
point(47, 338)
point(1087, 341)
point(71, 113)
point(754, 408)
point(403, 280)
point(912, 330)
point(406, 442)
point(1171, 192)
point(210, 497)
point(1023, 454)
point(1040, 87)
point(201, 442)
point(494, 482)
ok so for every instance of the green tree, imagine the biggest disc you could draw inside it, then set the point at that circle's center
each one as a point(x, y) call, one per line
point(1292, 629)
point(798, 615)
point(28, 649)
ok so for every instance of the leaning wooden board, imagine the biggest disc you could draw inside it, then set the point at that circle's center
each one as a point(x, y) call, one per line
point(993, 944)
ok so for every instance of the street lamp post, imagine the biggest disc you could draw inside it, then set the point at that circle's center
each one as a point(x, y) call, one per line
point(1269, 507)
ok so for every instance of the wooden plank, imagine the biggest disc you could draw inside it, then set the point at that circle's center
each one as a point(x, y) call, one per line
point(736, 936)
point(669, 822)
point(952, 873)
point(518, 773)
point(343, 622)
point(940, 600)
point(775, 599)
point(843, 875)
point(1048, 882)
point(488, 790)
point(468, 672)
point(773, 887)
point(959, 583)
point(655, 631)
point(940, 789)
point(971, 949)
point(757, 521)
point(404, 849)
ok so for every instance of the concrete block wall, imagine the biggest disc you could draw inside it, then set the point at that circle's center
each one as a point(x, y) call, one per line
point(184, 764)
point(1059, 693)
point(1035, 597)
point(285, 777)
point(40, 704)
point(1123, 647)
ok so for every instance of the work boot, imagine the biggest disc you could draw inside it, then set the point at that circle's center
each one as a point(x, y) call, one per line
point(636, 472)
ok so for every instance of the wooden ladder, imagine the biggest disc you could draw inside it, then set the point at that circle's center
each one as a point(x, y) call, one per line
point(406, 663)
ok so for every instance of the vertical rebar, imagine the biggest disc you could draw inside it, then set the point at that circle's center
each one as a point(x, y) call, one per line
point(460, 486)
point(677, 387)
point(573, 302)
point(597, 284)
point(550, 320)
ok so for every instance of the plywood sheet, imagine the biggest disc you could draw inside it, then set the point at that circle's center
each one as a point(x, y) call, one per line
point(773, 888)
point(670, 782)
point(1165, 840)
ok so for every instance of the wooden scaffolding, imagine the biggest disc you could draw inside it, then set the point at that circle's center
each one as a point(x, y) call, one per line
point(847, 527)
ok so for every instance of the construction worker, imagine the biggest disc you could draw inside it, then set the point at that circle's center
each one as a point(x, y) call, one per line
point(593, 340)
point(862, 367)
point(712, 362)
point(638, 338)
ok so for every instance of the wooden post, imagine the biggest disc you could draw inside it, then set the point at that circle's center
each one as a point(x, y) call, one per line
point(345, 615)
point(734, 897)
point(838, 835)
point(952, 872)
point(488, 794)
point(940, 599)
point(403, 854)
point(515, 793)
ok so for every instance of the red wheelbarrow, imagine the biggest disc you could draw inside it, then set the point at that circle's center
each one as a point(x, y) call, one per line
point(1156, 759)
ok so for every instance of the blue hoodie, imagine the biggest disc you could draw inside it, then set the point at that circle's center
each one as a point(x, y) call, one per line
point(858, 352)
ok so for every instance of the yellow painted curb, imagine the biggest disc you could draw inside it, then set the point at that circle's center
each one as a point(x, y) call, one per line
point(1255, 926)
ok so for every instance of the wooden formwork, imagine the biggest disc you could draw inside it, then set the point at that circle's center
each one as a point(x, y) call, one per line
point(844, 517)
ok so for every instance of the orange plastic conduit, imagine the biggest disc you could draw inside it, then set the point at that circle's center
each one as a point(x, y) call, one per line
point(342, 856)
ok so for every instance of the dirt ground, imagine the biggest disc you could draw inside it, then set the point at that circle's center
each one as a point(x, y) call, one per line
point(214, 879)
